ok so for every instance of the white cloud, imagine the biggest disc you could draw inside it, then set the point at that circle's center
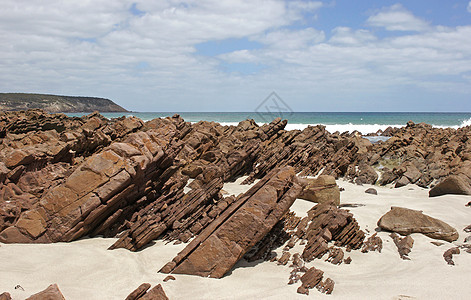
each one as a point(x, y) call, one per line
point(469, 7)
point(397, 18)
point(96, 48)
point(345, 35)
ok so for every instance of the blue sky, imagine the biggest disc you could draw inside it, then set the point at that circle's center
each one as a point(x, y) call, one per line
point(210, 55)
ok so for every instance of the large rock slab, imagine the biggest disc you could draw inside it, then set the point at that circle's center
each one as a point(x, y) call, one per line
point(453, 184)
point(406, 221)
point(221, 244)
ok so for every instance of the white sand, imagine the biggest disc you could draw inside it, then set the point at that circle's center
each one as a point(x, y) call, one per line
point(86, 270)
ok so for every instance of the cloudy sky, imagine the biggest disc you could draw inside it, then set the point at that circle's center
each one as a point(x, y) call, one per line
point(227, 55)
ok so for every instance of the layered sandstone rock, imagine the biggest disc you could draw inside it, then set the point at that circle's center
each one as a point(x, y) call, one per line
point(250, 217)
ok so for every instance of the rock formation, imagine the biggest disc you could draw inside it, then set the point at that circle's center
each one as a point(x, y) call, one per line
point(406, 221)
point(245, 222)
point(62, 178)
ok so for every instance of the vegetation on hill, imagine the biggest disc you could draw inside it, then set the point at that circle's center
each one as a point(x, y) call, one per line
point(55, 103)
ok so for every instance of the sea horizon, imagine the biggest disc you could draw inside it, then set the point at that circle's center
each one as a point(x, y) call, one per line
point(364, 122)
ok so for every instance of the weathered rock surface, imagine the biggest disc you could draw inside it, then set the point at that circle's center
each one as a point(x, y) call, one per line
point(250, 217)
point(326, 223)
point(406, 221)
point(321, 189)
point(5, 296)
point(404, 245)
point(139, 292)
point(373, 243)
point(448, 255)
point(453, 184)
point(52, 292)
point(143, 293)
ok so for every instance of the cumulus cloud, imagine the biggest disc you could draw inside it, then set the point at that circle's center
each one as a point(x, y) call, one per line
point(149, 60)
point(397, 18)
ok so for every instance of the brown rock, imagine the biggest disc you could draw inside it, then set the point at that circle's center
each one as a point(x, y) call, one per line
point(52, 292)
point(220, 245)
point(451, 185)
point(373, 243)
point(139, 292)
point(321, 189)
point(366, 175)
point(406, 221)
point(326, 223)
point(448, 255)
point(283, 260)
point(5, 296)
point(403, 181)
point(169, 277)
point(371, 191)
point(326, 287)
point(387, 177)
point(404, 245)
point(156, 293)
point(312, 278)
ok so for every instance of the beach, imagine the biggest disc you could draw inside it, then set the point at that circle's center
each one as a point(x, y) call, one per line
point(85, 269)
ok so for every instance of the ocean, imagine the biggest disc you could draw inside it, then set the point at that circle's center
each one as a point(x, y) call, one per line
point(364, 122)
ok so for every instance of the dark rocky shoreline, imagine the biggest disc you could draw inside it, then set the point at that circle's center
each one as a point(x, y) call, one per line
point(63, 178)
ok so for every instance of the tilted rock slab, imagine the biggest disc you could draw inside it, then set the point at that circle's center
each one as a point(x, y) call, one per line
point(96, 193)
point(221, 244)
point(406, 221)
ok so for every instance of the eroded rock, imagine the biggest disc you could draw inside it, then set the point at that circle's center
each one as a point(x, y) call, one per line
point(406, 221)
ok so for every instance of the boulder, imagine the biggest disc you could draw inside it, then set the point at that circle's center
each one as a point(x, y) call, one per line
point(453, 184)
point(51, 293)
point(321, 189)
point(406, 221)
point(371, 191)
point(366, 175)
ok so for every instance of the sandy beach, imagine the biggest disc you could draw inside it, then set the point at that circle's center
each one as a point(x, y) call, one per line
point(85, 269)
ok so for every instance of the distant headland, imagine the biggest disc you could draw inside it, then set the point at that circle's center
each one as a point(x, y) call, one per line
point(56, 103)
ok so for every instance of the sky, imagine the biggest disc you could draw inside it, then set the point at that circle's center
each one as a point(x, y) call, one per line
point(216, 55)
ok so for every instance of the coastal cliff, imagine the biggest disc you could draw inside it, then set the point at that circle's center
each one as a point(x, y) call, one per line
point(56, 104)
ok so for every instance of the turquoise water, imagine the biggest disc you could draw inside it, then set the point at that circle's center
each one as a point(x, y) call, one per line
point(364, 122)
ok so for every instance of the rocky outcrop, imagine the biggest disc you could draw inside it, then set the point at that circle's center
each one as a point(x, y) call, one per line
point(326, 223)
point(321, 189)
point(406, 221)
point(245, 222)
